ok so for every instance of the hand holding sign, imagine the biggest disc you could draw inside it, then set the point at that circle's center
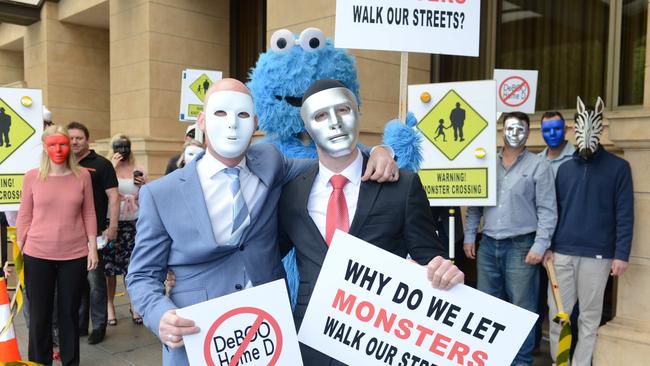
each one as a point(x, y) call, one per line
point(443, 274)
point(172, 328)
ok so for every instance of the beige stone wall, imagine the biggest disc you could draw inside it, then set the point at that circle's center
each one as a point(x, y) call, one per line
point(151, 43)
point(11, 67)
point(70, 63)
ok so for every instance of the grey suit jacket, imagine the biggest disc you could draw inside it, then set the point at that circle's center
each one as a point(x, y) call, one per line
point(392, 216)
point(174, 232)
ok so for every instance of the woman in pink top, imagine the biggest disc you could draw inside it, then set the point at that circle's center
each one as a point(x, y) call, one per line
point(56, 230)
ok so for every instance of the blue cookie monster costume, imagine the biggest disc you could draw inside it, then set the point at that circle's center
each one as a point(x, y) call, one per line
point(278, 81)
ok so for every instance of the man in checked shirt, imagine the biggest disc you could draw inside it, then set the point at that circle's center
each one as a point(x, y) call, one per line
point(518, 230)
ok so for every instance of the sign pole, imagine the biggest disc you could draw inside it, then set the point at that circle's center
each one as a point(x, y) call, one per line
point(403, 85)
point(452, 234)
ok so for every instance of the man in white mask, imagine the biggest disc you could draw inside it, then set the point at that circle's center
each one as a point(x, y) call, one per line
point(395, 217)
point(213, 223)
point(518, 230)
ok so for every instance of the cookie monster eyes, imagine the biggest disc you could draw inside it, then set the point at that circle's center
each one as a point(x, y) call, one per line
point(282, 41)
point(311, 39)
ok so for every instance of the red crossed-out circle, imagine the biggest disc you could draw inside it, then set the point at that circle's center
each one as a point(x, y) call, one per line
point(522, 83)
point(261, 316)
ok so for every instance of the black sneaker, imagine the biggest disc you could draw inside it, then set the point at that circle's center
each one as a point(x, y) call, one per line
point(96, 336)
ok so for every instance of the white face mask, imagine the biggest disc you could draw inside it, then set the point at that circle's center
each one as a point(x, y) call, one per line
point(229, 122)
point(190, 153)
point(514, 132)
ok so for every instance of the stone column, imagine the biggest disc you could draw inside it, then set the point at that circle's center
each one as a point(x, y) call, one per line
point(69, 63)
point(151, 43)
point(626, 339)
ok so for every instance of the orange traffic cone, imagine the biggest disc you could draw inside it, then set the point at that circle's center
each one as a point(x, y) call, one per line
point(8, 343)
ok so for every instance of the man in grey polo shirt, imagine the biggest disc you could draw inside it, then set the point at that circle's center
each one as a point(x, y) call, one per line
point(517, 231)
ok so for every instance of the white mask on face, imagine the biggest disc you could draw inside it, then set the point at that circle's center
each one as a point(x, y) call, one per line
point(514, 132)
point(229, 122)
point(190, 153)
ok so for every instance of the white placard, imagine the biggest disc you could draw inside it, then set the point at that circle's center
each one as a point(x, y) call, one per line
point(516, 90)
point(442, 27)
point(370, 307)
point(194, 84)
point(458, 126)
point(254, 326)
point(21, 120)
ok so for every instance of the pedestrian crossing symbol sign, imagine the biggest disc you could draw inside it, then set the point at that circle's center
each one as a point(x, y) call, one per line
point(14, 131)
point(452, 124)
point(200, 86)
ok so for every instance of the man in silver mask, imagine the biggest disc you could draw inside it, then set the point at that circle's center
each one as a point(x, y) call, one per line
point(393, 216)
point(593, 238)
point(518, 230)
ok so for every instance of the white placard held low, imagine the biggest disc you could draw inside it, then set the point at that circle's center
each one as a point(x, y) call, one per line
point(253, 327)
point(194, 84)
point(516, 90)
point(21, 128)
point(442, 27)
point(370, 307)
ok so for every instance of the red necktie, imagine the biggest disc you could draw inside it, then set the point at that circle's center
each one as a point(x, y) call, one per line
point(337, 209)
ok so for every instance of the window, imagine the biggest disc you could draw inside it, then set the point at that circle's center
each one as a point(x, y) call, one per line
point(632, 61)
point(588, 48)
point(247, 36)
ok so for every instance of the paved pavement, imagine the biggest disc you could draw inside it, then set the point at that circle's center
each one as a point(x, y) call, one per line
point(125, 344)
point(131, 344)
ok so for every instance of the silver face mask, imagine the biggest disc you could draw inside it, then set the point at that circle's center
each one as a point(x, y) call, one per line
point(331, 118)
point(515, 132)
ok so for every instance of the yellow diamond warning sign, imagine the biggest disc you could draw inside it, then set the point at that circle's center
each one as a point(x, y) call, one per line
point(452, 124)
point(14, 131)
point(10, 188)
point(200, 86)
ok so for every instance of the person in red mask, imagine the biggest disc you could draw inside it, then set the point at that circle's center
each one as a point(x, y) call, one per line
point(56, 231)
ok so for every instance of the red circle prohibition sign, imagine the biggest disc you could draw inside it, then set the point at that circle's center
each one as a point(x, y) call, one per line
point(261, 317)
point(522, 83)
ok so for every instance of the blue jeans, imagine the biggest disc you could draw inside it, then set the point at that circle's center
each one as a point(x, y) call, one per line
point(503, 273)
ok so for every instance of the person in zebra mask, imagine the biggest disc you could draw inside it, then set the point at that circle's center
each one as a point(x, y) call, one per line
point(593, 237)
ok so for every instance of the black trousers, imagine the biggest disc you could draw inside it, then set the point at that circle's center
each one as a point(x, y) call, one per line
point(93, 299)
point(42, 276)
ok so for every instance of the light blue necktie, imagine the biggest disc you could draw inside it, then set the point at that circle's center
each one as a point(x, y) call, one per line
point(240, 217)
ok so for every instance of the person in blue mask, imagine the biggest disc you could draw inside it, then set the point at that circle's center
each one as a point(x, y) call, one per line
point(558, 149)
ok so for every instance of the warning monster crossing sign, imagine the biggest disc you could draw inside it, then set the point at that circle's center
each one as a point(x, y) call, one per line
point(458, 122)
point(452, 113)
point(14, 131)
point(194, 85)
point(21, 127)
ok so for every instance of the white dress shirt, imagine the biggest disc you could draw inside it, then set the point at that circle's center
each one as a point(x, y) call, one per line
point(218, 197)
point(322, 189)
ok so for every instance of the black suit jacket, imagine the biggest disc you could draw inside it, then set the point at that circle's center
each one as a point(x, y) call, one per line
point(393, 216)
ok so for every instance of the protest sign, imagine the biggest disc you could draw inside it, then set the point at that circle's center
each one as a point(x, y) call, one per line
point(194, 85)
point(244, 329)
point(516, 90)
point(458, 124)
point(21, 128)
point(443, 27)
point(370, 307)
